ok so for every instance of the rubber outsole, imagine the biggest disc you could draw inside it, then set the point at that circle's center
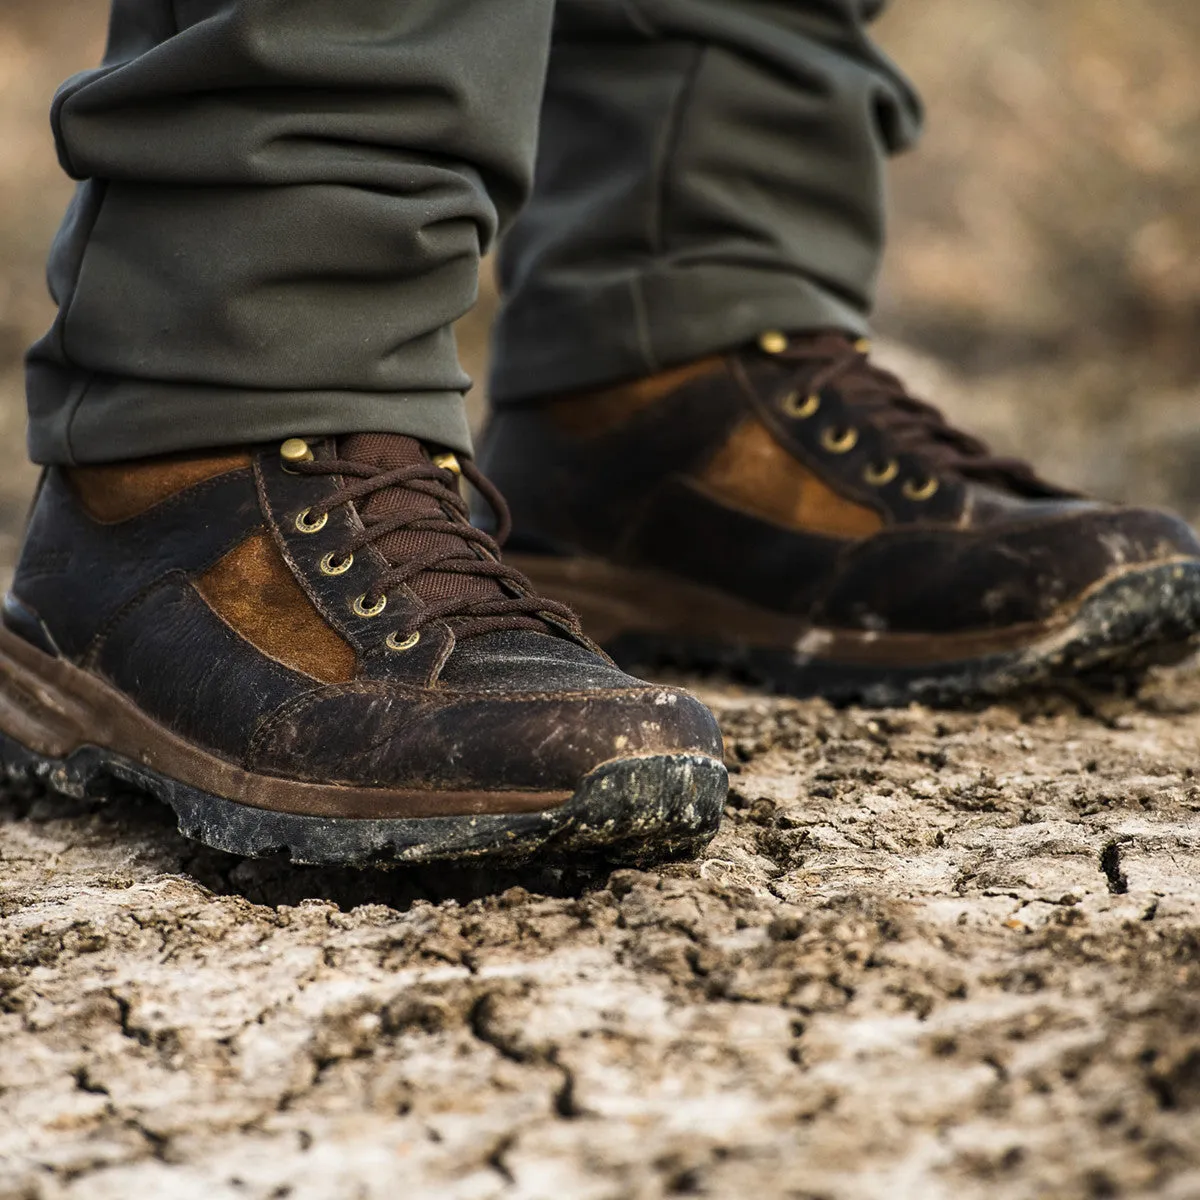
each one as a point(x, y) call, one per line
point(631, 811)
point(1139, 619)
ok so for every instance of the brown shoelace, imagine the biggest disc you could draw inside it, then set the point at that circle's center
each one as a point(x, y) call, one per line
point(421, 525)
point(910, 425)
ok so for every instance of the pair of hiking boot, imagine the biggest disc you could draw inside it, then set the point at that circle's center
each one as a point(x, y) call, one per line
point(307, 648)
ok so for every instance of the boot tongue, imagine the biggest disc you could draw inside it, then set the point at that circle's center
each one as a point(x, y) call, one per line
point(389, 451)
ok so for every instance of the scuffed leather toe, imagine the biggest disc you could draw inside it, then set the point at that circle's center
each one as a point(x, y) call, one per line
point(478, 741)
point(915, 580)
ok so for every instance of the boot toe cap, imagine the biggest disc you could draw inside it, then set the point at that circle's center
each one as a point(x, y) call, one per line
point(954, 580)
point(371, 735)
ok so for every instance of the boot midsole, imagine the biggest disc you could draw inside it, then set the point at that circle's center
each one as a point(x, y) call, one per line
point(615, 601)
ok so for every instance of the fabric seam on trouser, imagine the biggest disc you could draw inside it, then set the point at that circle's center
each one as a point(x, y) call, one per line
point(69, 431)
point(63, 96)
point(657, 232)
point(65, 324)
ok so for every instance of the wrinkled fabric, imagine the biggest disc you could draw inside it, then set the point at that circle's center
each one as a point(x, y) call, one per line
point(283, 205)
point(708, 169)
point(282, 209)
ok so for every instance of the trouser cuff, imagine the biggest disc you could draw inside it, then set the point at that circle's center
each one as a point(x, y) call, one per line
point(131, 419)
point(631, 328)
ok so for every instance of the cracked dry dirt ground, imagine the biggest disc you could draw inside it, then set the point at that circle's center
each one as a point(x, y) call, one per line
point(929, 955)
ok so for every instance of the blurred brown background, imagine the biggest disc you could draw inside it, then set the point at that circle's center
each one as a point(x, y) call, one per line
point(1044, 278)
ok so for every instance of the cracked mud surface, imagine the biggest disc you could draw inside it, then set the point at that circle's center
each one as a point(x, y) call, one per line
point(930, 954)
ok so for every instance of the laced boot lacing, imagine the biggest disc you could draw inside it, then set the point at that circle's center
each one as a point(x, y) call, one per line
point(907, 424)
point(461, 550)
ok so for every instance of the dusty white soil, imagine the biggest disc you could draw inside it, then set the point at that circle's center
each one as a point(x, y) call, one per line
point(929, 955)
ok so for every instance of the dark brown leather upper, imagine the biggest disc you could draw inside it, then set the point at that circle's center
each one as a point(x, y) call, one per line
point(808, 490)
point(207, 604)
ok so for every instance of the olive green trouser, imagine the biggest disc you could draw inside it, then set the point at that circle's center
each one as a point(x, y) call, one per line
point(283, 204)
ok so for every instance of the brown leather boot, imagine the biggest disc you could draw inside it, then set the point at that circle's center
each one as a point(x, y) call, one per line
point(308, 650)
point(790, 512)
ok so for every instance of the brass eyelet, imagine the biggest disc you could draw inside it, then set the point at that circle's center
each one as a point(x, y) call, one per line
point(924, 491)
point(880, 476)
point(448, 462)
point(393, 642)
point(294, 450)
point(315, 525)
point(363, 609)
point(772, 342)
point(800, 408)
point(330, 565)
point(839, 443)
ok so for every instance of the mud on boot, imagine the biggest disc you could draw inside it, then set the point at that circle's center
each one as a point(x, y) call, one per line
point(789, 512)
point(307, 651)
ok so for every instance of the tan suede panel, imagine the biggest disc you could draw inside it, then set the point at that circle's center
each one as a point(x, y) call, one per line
point(754, 473)
point(590, 414)
point(253, 592)
point(118, 491)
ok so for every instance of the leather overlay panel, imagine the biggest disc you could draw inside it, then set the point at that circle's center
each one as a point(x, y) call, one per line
point(118, 491)
point(591, 414)
point(803, 437)
point(254, 593)
point(78, 574)
point(583, 494)
point(778, 569)
point(754, 473)
point(184, 667)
